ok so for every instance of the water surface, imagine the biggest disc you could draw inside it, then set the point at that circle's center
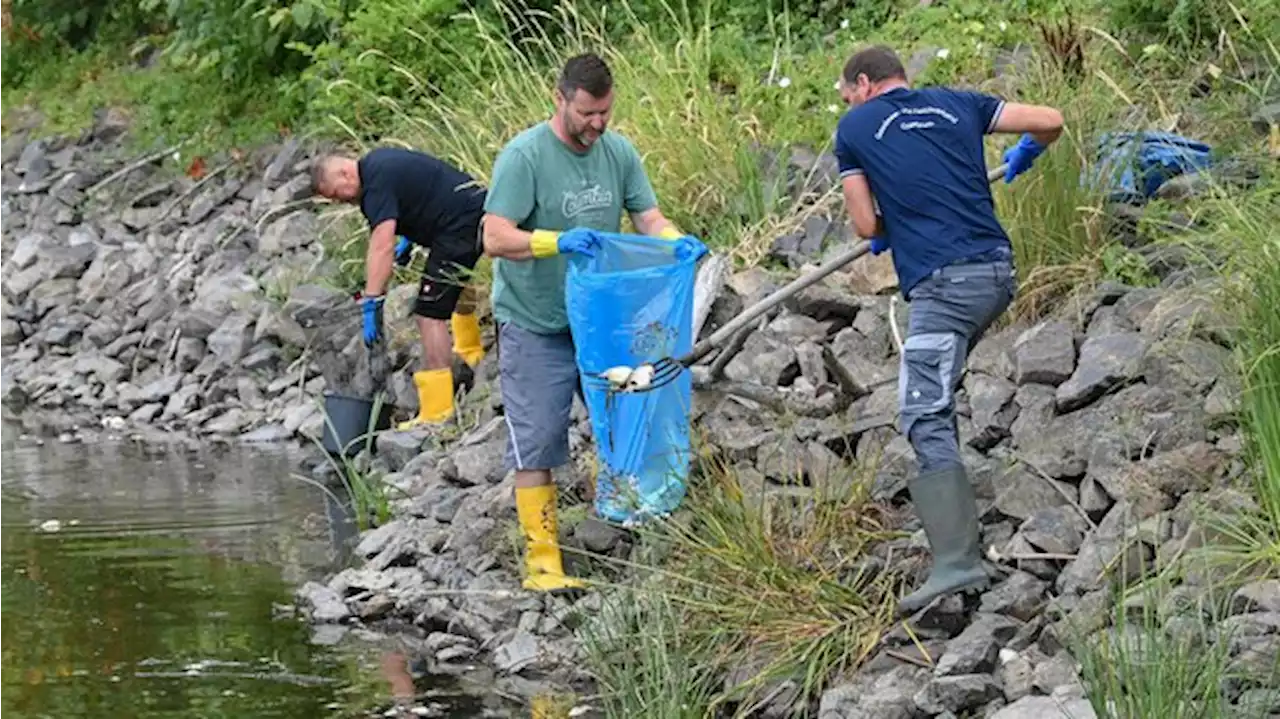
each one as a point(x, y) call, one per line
point(149, 582)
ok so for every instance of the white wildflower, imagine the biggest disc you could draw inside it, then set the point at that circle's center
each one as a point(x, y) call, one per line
point(784, 82)
point(1003, 26)
point(833, 109)
point(837, 85)
point(943, 53)
point(844, 24)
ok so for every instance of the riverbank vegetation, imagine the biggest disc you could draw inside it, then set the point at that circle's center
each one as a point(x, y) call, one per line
point(716, 95)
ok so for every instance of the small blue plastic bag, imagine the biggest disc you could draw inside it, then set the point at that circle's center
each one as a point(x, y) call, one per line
point(630, 304)
point(1131, 166)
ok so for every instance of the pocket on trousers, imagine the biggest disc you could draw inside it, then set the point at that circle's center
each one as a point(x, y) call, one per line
point(927, 370)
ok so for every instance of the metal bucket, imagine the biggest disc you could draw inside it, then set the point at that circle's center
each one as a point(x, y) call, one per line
point(347, 423)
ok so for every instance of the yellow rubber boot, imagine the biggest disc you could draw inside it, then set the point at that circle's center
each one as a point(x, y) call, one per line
point(435, 398)
point(536, 507)
point(466, 338)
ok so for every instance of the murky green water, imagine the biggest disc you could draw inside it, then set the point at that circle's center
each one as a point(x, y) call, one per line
point(155, 583)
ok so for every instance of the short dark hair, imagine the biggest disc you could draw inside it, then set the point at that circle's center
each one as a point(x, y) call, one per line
point(878, 63)
point(587, 71)
point(319, 170)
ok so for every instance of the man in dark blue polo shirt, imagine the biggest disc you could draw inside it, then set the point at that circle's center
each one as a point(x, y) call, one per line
point(919, 154)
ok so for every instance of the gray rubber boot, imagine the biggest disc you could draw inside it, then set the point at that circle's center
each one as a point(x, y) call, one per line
point(946, 505)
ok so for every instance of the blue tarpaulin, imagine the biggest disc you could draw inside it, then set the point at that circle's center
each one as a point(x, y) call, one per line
point(1131, 166)
point(630, 304)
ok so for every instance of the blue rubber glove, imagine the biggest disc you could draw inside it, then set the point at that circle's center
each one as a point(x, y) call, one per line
point(878, 245)
point(404, 251)
point(371, 310)
point(1021, 156)
point(579, 240)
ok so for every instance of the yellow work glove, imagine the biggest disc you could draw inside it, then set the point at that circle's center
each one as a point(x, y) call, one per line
point(670, 233)
point(547, 243)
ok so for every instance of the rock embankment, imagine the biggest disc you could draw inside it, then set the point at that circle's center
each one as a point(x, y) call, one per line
point(1092, 436)
point(142, 298)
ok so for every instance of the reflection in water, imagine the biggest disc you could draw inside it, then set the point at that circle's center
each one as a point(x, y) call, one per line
point(161, 592)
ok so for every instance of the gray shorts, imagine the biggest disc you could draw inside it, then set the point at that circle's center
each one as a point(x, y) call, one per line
point(539, 377)
point(950, 311)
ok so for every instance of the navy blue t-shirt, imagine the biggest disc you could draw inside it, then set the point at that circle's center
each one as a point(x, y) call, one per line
point(921, 152)
point(427, 197)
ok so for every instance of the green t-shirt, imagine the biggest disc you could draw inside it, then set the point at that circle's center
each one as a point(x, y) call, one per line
point(539, 183)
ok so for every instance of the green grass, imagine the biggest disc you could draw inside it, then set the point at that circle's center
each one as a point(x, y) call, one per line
point(368, 494)
point(648, 660)
point(1140, 666)
point(779, 581)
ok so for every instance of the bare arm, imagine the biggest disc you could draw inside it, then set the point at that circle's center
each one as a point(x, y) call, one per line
point(1044, 124)
point(861, 208)
point(379, 258)
point(503, 239)
point(652, 222)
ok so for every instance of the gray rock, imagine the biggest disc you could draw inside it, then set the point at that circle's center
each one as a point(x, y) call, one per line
point(231, 340)
point(326, 605)
point(479, 458)
point(160, 389)
point(294, 230)
point(857, 370)
point(104, 369)
point(597, 536)
point(1224, 399)
point(1020, 492)
point(1265, 118)
point(274, 432)
point(517, 654)
point(1106, 362)
point(957, 693)
point(225, 292)
point(230, 422)
point(976, 649)
point(1045, 354)
point(1021, 596)
point(26, 252)
point(992, 409)
point(297, 188)
point(1057, 530)
point(33, 163)
point(890, 695)
point(1194, 467)
point(825, 303)
point(1262, 596)
point(10, 332)
point(1186, 365)
point(763, 360)
point(994, 354)
point(398, 447)
point(1108, 554)
point(66, 262)
point(189, 353)
point(1056, 671)
point(1016, 675)
point(1042, 707)
point(146, 413)
point(1136, 304)
point(13, 395)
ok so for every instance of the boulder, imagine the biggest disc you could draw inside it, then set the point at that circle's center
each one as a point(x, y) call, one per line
point(1045, 354)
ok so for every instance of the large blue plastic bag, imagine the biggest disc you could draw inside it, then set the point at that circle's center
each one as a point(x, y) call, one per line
point(629, 304)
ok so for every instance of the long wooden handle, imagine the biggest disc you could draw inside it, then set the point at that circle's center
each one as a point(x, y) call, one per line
point(703, 348)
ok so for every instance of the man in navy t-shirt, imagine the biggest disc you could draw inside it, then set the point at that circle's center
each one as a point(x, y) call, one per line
point(915, 181)
point(426, 202)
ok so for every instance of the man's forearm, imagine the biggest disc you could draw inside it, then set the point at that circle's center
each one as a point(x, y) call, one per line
point(655, 224)
point(1046, 137)
point(509, 243)
point(379, 260)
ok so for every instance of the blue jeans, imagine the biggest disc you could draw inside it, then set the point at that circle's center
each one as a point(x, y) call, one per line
point(950, 310)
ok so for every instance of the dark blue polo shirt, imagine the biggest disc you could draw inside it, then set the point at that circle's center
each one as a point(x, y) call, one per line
point(921, 152)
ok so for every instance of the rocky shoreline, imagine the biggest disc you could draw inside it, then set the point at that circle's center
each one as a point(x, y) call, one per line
point(150, 304)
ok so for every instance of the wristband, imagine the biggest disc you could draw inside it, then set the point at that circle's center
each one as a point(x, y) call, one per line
point(544, 243)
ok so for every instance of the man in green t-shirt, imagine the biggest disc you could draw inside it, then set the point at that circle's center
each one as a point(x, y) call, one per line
point(552, 185)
